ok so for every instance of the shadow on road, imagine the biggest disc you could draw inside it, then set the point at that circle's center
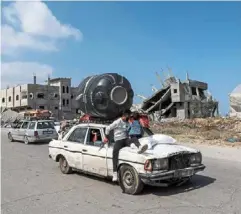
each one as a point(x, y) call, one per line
point(31, 144)
point(197, 182)
point(39, 143)
point(94, 177)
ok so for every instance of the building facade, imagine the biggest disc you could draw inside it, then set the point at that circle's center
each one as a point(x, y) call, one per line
point(57, 96)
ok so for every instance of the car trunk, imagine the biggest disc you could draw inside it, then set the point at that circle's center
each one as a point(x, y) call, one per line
point(45, 129)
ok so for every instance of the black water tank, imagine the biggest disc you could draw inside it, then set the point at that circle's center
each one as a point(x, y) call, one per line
point(105, 95)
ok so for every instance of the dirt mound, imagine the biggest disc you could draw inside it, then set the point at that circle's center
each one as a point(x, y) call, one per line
point(222, 131)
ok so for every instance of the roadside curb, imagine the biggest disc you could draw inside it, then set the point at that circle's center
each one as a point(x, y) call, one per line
point(216, 152)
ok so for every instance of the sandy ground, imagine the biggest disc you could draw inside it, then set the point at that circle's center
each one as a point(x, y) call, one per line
point(211, 131)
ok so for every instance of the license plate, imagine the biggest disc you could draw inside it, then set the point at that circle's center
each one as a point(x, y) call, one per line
point(184, 173)
point(47, 132)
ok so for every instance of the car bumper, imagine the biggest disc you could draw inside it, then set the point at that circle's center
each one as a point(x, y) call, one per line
point(157, 179)
point(40, 140)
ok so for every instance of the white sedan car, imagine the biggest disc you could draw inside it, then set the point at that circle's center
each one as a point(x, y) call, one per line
point(164, 163)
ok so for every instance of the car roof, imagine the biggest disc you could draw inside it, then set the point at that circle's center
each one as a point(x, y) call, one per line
point(36, 120)
point(96, 125)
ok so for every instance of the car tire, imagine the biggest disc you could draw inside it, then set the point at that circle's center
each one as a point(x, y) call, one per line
point(26, 141)
point(64, 166)
point(10, 137)
point(129, 180)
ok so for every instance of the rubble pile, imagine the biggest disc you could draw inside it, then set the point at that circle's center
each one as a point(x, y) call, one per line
point(10, 116)
point(208, 130)
point(235, 102)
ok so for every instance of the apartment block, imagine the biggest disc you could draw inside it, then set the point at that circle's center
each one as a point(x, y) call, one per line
point(56, 95)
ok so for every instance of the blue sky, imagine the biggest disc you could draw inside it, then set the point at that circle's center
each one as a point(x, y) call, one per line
point(136, 39)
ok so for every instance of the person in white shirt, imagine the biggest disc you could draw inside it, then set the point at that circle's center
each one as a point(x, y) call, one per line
point(121, 138)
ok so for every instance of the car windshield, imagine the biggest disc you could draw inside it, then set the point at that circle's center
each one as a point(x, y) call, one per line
point(45, 125)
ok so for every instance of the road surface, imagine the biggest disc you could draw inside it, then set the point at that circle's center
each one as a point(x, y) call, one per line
point(33, 184)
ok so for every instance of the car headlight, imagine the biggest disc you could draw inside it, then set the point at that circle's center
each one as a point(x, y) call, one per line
point(196, 158)
point(160, 164)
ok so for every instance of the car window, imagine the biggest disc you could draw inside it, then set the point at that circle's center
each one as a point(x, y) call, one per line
point(45, 125)
point(78, 135)
point(18, 125)
point(52, 122)
point(25, 125)
point(32, 125)
point(94, 137)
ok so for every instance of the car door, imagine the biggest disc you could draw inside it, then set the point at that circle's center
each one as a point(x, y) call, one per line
point(15, 131)
point(22, 130)
point(109, 153)
point(94, 152)
point(73, 144)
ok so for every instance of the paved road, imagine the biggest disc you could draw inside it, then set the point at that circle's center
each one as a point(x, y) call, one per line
point(33, 184)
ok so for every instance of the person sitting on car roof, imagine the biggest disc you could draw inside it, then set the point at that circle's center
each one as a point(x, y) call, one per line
point(135, 128)
point(121, 138)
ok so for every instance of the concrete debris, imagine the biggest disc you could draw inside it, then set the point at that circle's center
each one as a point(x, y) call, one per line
point(235, 102)
point(212, 130)
point(176, 99)
point(9, 116)
point(137, 108)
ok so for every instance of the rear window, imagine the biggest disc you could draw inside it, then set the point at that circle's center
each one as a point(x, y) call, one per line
point(45, 125)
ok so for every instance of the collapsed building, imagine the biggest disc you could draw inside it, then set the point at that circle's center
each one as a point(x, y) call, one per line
point(235, 102)
point(176, 99)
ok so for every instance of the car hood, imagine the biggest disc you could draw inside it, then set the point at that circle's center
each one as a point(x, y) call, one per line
point(161, 146)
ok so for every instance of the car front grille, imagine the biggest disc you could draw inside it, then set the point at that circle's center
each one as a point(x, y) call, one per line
point(179, 161)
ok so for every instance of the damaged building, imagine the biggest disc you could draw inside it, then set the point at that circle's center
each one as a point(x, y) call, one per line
point(235, 102)
point(176, 99)
point(57, 96)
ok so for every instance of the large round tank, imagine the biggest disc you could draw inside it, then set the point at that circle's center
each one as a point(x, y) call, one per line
point(105, 95)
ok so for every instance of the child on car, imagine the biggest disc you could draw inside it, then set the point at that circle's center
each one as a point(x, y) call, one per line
point(135, 128)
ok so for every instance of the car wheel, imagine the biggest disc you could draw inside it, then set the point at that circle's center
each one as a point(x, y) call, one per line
point(26, 141)
point(130, 181)
point(64, 166)
point(10, 137)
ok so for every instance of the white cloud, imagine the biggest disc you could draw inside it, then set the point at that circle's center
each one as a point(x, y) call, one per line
point(30, 26)
point(12, 40)
point(39, 28)
point(35, 18)
point(13, 73)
